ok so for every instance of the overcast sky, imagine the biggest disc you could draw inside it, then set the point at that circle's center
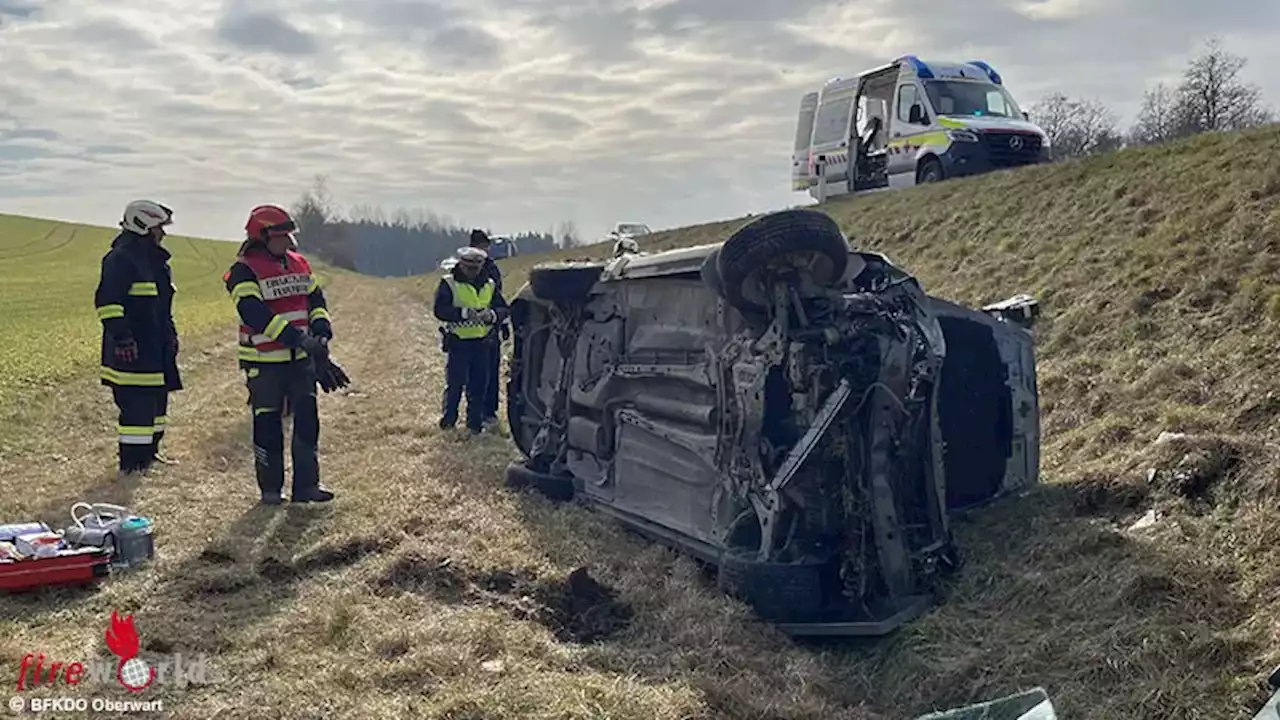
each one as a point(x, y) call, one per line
point(512, 114)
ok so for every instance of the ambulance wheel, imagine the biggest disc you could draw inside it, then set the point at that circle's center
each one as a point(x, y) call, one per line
point(930, 171)
point(564, 281)
point(806, 240)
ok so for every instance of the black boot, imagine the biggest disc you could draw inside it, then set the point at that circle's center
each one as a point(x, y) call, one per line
point(134, 458)
point(317, 494)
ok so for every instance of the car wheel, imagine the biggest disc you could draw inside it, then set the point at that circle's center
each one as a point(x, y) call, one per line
point(806, 239)
point(779, 592)
point(711, 274)
point(930, 171)
point(554, 487)
point(564, 281)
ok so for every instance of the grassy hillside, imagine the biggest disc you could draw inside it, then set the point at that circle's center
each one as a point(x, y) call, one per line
point(48, 272)
point(1157, 272)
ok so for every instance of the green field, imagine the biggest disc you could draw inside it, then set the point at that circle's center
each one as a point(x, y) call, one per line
point(48, 272)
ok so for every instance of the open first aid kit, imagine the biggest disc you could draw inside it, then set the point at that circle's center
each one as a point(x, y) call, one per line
point(102, 536)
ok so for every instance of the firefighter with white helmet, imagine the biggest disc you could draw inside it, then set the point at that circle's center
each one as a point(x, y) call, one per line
point(470, 306)
point(134, 300)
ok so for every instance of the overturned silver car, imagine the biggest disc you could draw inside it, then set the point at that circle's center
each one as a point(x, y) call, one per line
point(797, 414)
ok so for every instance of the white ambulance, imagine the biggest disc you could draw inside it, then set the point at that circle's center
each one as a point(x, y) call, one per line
point(910, 122)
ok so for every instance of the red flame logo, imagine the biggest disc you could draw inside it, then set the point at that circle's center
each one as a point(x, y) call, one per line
point(122, 639)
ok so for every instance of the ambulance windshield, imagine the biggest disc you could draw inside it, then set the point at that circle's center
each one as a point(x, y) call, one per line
point(974, 99)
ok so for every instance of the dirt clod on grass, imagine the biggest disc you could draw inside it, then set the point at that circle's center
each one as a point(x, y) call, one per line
point(575, 608)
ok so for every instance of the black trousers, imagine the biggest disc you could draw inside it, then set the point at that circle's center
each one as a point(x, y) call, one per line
point(467, 368)
point(277, 390)
point(141, 424)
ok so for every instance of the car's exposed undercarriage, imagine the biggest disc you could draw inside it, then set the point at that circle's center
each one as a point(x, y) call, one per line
point(770, 405)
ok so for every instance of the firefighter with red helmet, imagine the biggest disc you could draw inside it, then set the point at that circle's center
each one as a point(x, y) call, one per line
point(284, 335)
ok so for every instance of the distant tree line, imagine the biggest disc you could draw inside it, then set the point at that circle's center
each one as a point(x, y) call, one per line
point(1210, 96)
point(370, 240)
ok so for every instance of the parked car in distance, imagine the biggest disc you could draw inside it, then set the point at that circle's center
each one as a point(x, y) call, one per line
point(631, 230)
point(799, 415)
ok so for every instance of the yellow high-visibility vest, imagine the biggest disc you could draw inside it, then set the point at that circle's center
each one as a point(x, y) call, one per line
point(465, 295)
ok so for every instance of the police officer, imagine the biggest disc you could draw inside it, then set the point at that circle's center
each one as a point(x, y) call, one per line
point(470, 305)
point(284, 331)
point(134, 300)
point(480, 240)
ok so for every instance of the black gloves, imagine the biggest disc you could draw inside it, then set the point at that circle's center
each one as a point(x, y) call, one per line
point(316, 348)
point(331, 376)
point(126, 350)
point(504, 330)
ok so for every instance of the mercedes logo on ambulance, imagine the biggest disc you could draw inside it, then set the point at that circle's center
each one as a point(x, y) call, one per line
point(1015, 142)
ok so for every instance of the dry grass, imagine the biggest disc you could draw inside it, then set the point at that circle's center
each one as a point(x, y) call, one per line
point(429, 590)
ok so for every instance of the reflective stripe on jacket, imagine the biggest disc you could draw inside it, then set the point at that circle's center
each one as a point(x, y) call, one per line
point(284, 285)
point(134, 301)
point(466, 295)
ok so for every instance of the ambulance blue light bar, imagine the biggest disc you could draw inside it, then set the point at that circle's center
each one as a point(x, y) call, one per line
point(922, 71)
point(990, 71)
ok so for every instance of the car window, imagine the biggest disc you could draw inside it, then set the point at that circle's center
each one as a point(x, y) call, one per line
point(832, 124)
point(908, 95)
point(952, 97)
point(804, 129)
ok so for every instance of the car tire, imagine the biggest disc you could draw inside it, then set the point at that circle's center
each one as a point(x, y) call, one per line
point(711, 274)
point(778, 592)
point(930, 171)
point(557, 488)
point(564, 281)
point(810, 237)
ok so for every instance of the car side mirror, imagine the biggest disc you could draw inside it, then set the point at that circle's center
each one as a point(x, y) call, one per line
point(916, 116)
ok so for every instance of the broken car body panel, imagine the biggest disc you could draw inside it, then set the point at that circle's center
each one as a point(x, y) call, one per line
point(811, 453)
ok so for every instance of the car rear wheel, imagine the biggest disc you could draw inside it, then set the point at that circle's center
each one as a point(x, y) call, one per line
point(564, 281)
point(807, 240)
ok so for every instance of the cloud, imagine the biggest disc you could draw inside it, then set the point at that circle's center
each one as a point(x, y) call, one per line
point(264, 32)
point(512, 114)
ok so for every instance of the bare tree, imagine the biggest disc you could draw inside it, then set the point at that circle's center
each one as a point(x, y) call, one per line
point(313, 211)
point(1076, 127)
point(1214, 96)
point(1210, 97)
point(567, 236)
point(1161, 118)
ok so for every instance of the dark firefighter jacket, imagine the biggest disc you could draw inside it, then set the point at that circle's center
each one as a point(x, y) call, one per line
point(491, 270)
point(256, 310)
point(135, 302)
point(446, 312)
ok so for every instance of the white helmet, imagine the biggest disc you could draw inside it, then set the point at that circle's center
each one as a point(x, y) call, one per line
point(141, 216)
point(625, 245)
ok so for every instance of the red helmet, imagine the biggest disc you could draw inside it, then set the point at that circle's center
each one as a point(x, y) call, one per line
point(266, 221)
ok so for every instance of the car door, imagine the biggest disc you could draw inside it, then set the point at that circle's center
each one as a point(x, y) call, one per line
point(831, 138)
point(909, 123)
point(800, 176)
